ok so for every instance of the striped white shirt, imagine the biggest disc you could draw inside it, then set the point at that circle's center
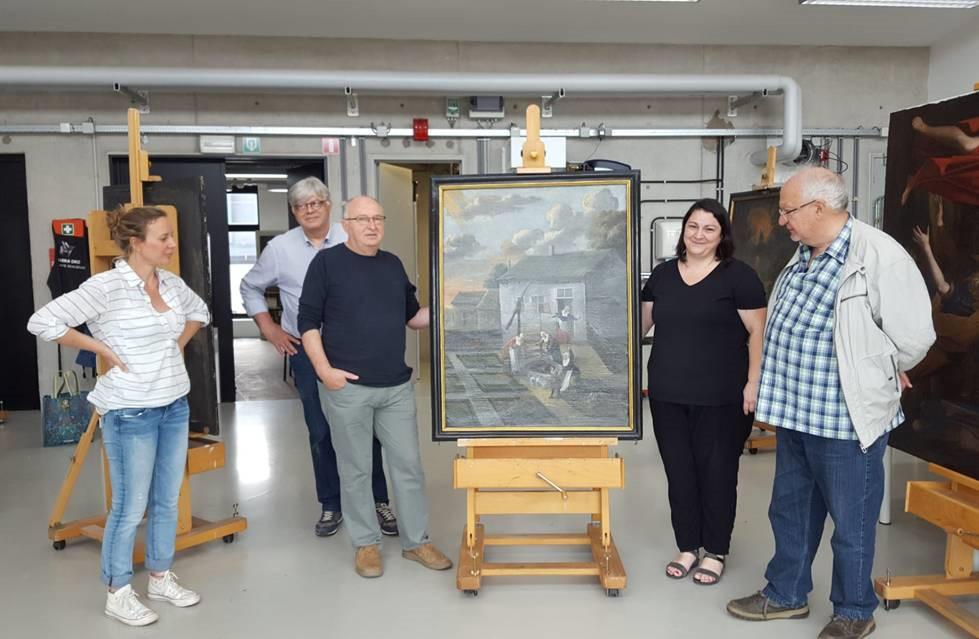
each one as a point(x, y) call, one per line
point(118, 311)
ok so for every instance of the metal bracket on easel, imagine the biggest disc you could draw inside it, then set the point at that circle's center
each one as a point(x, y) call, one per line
point(137, 99)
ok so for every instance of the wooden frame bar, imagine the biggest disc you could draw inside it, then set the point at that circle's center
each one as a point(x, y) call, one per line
point(952, 505)
point(533, 476)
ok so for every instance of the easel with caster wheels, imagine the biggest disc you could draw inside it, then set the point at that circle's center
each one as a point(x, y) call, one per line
point(761, 442)
point(952, 505)
point(557, 476)
point(203, 453)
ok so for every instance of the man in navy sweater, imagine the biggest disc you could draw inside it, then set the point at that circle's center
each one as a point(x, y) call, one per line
point(356, 301)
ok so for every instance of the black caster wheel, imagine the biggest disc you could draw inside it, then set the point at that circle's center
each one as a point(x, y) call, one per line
point(59, 545)
point(229, 539)
point(612, 592)
point(471, 593)
point(753, 451)
point(892, 604)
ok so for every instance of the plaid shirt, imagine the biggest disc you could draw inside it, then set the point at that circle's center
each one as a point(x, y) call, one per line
point(800, 381)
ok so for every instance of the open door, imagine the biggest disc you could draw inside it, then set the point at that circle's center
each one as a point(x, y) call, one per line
point(396, 193)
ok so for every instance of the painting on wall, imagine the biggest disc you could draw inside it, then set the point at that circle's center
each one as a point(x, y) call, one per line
point(758, 240)
point(535, 313)
point(931, 206)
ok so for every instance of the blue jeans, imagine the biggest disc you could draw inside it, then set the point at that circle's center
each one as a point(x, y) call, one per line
point(147, 452)
point(321, 446)
point(815, 476)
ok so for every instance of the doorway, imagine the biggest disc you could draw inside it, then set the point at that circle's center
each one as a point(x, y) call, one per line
point(258, 211)
point(18, 375)
point(404, 190)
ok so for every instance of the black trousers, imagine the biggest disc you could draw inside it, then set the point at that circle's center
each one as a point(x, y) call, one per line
point(701, 447)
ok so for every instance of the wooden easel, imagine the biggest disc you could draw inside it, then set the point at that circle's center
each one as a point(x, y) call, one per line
point(203, 453)
point(533, 153)
point(559, 476)
point(953, 506)
point(522, 476)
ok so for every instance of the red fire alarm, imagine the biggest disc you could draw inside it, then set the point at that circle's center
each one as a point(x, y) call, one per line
point(419, 127)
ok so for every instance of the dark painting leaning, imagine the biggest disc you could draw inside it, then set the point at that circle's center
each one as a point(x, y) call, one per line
point(932, 207)
point(534, 306)
point(759, 241)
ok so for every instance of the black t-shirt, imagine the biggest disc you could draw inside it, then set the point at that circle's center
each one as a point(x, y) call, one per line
point(700, 344)
point(362, 304)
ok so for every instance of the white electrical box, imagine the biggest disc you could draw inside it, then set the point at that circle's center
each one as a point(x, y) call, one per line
point(666, 233)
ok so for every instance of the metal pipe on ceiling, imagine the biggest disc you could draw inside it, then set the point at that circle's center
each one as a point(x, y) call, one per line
point(404, 83)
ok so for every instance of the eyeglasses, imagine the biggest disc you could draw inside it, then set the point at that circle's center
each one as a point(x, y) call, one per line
point(787, 212)
point(315, 204)
point(364, 220)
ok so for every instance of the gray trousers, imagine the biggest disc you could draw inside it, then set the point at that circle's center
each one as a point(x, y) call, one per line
point(356, 414)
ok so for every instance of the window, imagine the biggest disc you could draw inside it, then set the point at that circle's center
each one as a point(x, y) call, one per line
point(242, 240)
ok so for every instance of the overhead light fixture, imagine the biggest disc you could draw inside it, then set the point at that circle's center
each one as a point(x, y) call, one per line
point(645, 0)
point(919, 4)
point(256, 176)
point(278, 190)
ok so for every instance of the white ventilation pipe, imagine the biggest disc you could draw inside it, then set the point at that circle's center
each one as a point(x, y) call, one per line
point(507, 84)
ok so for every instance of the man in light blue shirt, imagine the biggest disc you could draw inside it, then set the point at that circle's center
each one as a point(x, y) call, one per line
point(283, 263)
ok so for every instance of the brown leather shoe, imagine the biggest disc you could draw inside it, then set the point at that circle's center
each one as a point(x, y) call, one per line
point(368, 562)
point(428, 556)
point(843, 628)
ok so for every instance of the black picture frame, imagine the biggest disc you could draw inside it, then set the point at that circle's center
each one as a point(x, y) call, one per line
point(495, 386)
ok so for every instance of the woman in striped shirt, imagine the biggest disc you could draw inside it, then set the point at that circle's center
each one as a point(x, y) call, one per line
point(140, 317)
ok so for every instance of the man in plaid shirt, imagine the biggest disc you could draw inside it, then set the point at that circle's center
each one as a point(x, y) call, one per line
point(847, 316)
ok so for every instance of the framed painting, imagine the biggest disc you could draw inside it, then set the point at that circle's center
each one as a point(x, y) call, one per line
point(931, 206)
point(535, 309)
point(758, 240)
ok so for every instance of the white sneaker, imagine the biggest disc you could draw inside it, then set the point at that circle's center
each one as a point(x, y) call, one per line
point(124, 605)
point(166, 588)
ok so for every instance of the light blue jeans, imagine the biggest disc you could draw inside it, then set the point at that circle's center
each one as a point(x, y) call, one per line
point(147, 451)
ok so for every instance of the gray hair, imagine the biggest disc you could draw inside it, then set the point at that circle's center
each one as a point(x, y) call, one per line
point(823, 184)
point(306, 188)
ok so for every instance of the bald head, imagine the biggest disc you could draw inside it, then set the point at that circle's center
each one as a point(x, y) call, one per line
point(813, 207)
point(817, 183)
point(363, 205)
point(363, 220)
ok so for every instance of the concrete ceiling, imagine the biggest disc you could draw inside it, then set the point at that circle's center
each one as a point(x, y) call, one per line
point(730, 22)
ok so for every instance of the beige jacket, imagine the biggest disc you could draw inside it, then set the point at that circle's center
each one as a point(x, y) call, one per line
point(883, 326)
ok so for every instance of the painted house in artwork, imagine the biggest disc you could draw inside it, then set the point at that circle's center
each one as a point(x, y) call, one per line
point(577, 296)
point(473, 311)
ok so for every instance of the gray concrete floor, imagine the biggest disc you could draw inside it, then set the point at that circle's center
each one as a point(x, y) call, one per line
point(279, 580)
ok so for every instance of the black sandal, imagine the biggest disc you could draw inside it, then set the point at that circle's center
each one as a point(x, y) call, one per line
point(707, 572)
point(684, 571)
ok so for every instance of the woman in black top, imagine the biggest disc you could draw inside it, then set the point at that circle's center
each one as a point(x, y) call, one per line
point(709, 312)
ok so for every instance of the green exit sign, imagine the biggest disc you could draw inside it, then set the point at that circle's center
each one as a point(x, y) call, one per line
point(251, 145)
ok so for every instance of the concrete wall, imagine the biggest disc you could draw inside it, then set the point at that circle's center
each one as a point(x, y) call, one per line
point(954, 64)
point(841, 86)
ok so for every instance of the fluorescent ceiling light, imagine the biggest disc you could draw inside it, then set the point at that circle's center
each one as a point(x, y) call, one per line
point(921, 4)
point(256, 176)
point(652, 0)
point(278, 190)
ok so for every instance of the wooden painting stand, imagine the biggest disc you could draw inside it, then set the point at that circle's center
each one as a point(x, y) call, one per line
point(559, 476)
point(203, 453)
point(953, 506)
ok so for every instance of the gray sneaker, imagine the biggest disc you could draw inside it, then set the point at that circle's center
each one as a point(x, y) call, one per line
point(758, 607)
point(386, 519)
point(841, 628)
point(329, 523)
